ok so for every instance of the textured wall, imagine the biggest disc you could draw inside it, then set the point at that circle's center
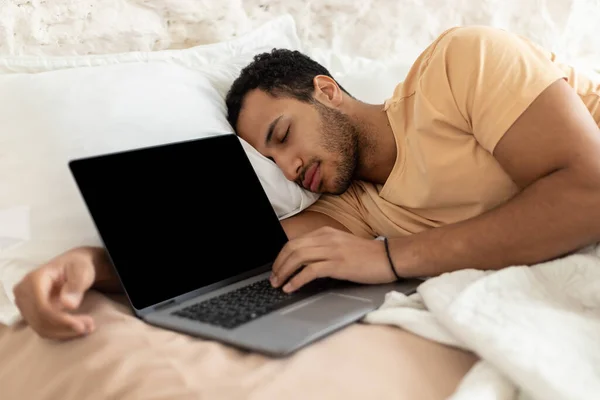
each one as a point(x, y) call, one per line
point(370, 28)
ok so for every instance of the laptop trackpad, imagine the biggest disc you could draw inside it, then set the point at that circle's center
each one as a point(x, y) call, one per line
point(329, 307)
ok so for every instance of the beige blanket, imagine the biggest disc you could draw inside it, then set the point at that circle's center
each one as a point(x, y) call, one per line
point(128, 359)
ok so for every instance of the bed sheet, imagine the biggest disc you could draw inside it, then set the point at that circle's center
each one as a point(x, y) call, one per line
point(127, 359)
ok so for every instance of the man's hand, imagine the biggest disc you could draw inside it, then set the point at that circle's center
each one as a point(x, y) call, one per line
point(47, 296)
point(332, 253)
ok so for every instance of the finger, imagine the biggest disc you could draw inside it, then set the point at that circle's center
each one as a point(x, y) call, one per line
point(65, 332)
point(296, 260)
point(33, 297)
point(53, 319)
point(311, 272)
point(78, 279)
point(40, 308)
point(61, 335)
point(310, 238)
point(322, 231)
point(292, 246)
point(77, 325)
point(39, 286)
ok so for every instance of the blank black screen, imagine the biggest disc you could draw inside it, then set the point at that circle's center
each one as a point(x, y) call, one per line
point(180, 216)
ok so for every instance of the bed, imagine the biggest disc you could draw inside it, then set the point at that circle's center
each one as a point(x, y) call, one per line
point(57, 90)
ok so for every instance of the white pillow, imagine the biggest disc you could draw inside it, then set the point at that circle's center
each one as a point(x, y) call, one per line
point(50, 118)
point(278, 32)
point(369, 80)
point(124, 101)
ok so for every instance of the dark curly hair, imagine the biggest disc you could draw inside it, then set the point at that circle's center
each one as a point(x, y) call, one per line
point(281, 72)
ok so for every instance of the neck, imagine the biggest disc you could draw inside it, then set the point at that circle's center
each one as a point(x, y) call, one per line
point(376, 143)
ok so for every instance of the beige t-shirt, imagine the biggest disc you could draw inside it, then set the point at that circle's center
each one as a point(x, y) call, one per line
point(460, 96)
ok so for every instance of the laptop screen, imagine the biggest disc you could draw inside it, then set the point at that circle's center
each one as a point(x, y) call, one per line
point(178, 217)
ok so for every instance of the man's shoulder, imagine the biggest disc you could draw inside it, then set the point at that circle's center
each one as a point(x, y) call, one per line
point(418, 67)
point(465, 41)
point(468, 32)
point(456, 45)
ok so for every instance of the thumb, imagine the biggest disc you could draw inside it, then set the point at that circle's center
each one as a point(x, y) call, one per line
point(78, 279)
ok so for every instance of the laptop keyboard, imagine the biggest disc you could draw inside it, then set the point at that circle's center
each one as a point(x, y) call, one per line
point(245, 304)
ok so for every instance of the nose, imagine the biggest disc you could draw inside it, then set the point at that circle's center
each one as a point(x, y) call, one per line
point(291, 166)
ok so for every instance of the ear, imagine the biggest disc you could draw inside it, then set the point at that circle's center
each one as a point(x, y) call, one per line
point(327, 91)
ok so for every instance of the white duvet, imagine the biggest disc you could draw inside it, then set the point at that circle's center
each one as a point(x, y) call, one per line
point(536, 329)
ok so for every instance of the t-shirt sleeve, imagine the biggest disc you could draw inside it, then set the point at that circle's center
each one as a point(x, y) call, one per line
point(347, 209)
point(481, 79)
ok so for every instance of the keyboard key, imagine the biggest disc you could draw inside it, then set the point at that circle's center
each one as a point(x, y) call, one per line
point(245, 304)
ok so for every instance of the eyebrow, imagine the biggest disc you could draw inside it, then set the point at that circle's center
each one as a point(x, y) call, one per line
point(271, 130)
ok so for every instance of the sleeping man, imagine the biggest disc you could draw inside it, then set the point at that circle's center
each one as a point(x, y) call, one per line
point(486, 156)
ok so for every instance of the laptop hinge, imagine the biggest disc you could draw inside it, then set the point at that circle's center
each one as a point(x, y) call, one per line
point(165, 304)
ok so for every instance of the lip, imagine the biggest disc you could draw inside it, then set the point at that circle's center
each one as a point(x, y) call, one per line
point(316, 180)
point(312, 177)
point(308, 176)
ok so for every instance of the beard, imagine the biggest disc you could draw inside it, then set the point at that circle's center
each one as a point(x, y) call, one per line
point(340, 137)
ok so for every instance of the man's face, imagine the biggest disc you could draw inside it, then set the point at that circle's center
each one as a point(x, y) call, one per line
point(314, 145)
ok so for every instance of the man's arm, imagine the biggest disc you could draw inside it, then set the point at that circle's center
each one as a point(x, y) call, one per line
point(106, 279)
point(553, 152)
point(307, 221)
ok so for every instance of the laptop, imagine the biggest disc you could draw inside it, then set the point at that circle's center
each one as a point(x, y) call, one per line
point(192, 235)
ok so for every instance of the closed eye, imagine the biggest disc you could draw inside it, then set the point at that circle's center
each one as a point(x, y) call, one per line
point(284, 138)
